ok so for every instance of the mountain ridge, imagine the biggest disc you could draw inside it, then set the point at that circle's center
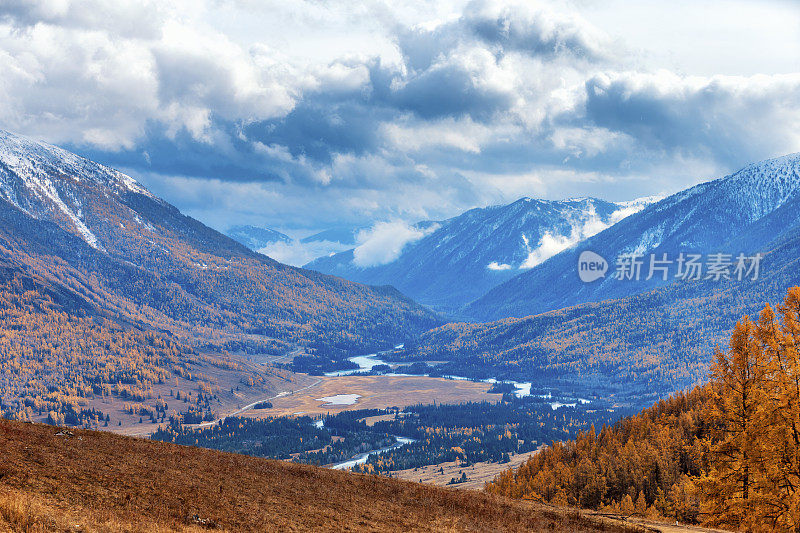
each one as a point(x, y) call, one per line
point(256, 237)
point(734, 214)
point(468, 254)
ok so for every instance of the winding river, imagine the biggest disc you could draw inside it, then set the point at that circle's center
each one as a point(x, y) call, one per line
point(362, 457)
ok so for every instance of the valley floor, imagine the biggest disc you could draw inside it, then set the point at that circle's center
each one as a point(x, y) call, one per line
point(375, 392)
point(294, 393)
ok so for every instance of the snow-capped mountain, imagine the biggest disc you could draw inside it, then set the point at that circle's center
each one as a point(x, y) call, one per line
point(89, 230)
point(737, 214)
point(255, 237)
point(458, 260)
point(50, 184)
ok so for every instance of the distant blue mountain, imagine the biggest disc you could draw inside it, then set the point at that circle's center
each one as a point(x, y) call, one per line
point(255, 237)
point(740, 213)
point(460, 259)
point(343, 235)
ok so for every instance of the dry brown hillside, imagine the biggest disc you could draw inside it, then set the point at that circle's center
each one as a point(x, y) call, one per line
point(78, 480)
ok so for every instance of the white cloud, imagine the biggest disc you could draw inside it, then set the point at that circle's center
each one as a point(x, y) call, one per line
point(463, 134)
point(128, 18)
point(297, 253)
point(586, 142)
point(536, 28)
point(549, 245)
point(735, 37)
point(494, 265)
point(384, 242)
point(98, 73)
point(313, 112)
point(75, 85)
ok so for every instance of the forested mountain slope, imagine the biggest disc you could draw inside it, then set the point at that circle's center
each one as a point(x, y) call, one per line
point(640, 347)
point(725, 454)
point(111, 300)
point(91, 229)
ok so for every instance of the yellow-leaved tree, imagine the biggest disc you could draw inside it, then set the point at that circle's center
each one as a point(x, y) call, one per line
point(753, 475)
point(779, 417)
point(737, 392)
point(725, 454)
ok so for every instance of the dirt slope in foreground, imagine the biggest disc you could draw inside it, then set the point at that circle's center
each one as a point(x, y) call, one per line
point(79, 480)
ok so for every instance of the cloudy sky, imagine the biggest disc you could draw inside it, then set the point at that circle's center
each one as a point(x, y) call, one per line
point(301, 115)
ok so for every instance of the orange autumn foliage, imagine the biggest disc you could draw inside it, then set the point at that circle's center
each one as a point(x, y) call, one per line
point(723, 454)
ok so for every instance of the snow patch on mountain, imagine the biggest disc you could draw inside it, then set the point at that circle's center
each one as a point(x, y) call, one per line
point(46, 182)
point(43, 187)
point(583, 227)
point(632, 207)
point(127, 182)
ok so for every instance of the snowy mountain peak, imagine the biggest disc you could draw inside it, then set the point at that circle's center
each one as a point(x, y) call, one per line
point(767, 185)
point(784, 163)
point(739, 213)
point(577, 199)
point(644, 201)
point(30, 160)
point(52, 184)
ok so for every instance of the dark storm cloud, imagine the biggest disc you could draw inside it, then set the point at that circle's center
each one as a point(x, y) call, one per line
point(450, 91)
point(319, 127)
point(182, 155)
point(733, 120)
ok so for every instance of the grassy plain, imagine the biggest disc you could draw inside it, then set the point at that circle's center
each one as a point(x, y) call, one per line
point(376, 392)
